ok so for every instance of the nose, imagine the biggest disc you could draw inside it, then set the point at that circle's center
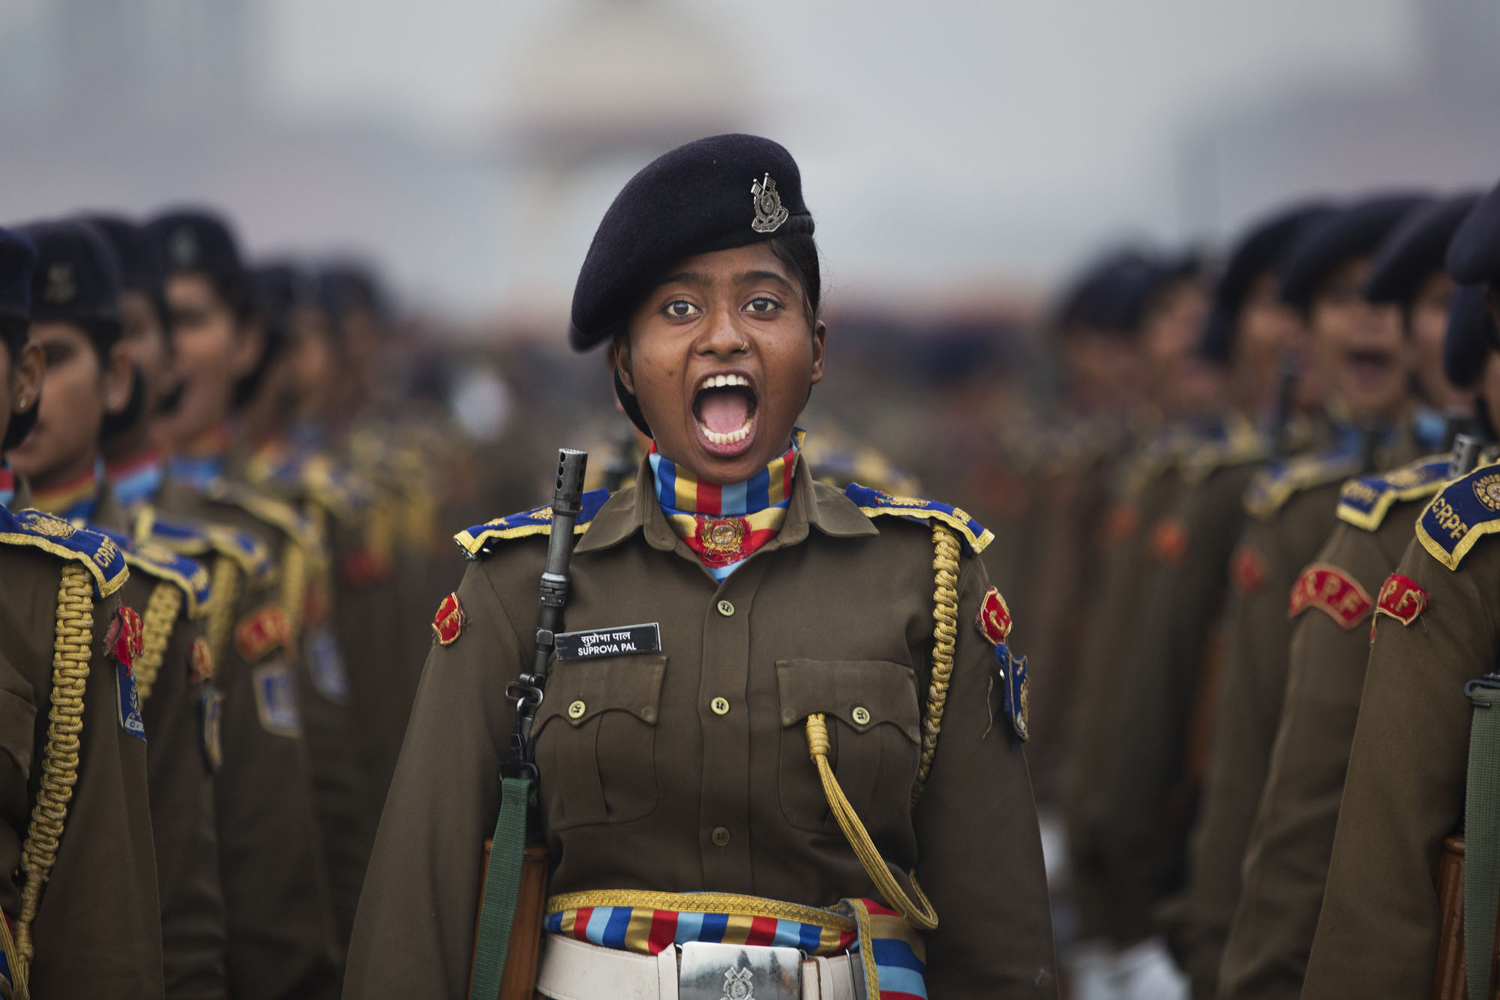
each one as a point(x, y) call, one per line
point(723, 334)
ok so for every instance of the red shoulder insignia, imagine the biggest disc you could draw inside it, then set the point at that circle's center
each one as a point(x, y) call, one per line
point(449, 621)
point(201, 661)
point(1169, 541)
point(1247, 569)
point(1402, 599)
point(126, 636)
point(993, 619)
point(1119, 523)
point(1330, 590)
point(261, 631)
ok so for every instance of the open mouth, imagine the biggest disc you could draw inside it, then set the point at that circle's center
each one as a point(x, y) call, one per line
point(724, 409)
point(1370, 362)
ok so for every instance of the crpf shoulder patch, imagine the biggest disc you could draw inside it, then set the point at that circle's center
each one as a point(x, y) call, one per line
point(261, 631)
point(1332, 591)
point(1247, 569)
point(96, 553)
point(1278, 482)
point(480, 540)
point(1465, 511)
point(1402, 599)
point(1169, 541)
point(161, 563)
point(993, 619)
point(1016, 689)
point(874, 503)
point(125, 640)
point(448, 624)
point(276, 699)
point(269, 510)
point(1241, 444)
point(198, 541)
point(200, 661)
point(325, 664)
point(1365, 500)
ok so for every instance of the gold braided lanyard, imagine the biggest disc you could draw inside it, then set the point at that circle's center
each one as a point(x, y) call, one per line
point(918, 912)
point(223, 596)
point(160, 618)
point(70, 674)
point(293, 590)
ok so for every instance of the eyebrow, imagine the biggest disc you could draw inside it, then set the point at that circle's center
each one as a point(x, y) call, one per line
point(743, 278)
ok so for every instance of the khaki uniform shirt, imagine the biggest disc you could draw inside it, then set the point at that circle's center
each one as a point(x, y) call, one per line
point(1377, 932)
point(645, 786)
point(1286, 859)
point(98, 930)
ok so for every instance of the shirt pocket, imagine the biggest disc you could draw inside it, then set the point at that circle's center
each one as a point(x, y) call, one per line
point(873, 718)
point(596, 740)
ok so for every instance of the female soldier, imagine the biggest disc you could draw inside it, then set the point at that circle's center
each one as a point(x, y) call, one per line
point(797, 650)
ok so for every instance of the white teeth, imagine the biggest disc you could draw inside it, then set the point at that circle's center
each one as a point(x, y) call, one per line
point(722, 381)
point(731, 438)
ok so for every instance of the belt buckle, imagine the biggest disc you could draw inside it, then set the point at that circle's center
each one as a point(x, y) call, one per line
point(708, 971)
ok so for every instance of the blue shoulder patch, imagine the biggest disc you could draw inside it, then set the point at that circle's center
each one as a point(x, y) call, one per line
point(477, 540)
point(162, 563)
point(1364, 501)
point(98, 554)
point(874, 503)
point(277, 513)
point(1457, 518)
point(1278, 482)
point(203, 540)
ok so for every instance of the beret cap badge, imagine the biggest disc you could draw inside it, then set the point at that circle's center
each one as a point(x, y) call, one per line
point(182, 245)
point(61, 285)
point(769, 212)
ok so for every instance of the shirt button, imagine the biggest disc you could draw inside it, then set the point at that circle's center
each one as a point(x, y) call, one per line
point(726, 609)
point(861, 715)
point(576, 710)
point(720, 837)
point(720, 706)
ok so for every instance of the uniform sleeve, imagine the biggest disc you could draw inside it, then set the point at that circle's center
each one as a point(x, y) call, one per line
point(1247, 711)
point(414, 932)
point(182, 807)
point(1377, 932)
point(1286, 860)
point(980, 851)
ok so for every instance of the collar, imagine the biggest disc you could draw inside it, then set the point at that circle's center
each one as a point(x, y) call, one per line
point(135, 480)
point(682, 493)
point(7, 484)
point(635, 508)
point(73, 500)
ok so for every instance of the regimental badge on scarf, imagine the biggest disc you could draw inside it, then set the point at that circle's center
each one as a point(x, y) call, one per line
point(1247, 569)
point(1332, 591)
point(124, 640)
point(326, 666)
point(448, 624)
point(1402, 599)
point(213, 729)
point(260, 632)
point(276, 699)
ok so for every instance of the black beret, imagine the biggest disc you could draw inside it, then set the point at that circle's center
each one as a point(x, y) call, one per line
point(279, 287)
point(197, 241)
point(717, 193)
point(1258, 251)
point(1474, 251)
point(346, 284)
point(1108, 294)
point(17, 261)
point(1415, 249)
point(1354, 231)
point(136, 253)
point(76, 279)
point(1470, 337)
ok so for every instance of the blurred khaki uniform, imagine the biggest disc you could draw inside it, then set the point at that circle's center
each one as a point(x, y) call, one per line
point(1286, 860)
point(1377, 932)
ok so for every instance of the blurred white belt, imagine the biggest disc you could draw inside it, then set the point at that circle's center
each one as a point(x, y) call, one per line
point(577, 970)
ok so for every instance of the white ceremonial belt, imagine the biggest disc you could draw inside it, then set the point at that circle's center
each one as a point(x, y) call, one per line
point(576, 970)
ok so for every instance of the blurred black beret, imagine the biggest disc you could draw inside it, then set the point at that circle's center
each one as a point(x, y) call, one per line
point(1415, 249)
point(1474, 251)
point(278, 287)
point(197, 241)
point(1107, 295)
point(76, 279)
point(346, 283)
point(1470, 337)
point(136, 253)
point(1258, 251)
point(17, 260)
point(1353, 231)
point(717, 193)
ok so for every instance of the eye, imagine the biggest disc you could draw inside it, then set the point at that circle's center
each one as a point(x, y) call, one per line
point(55, 354)
point(762, 304)
point(680, 309)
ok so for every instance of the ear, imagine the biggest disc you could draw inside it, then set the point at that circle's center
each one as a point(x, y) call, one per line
point(619, 358)
point(249, 344)
point(26, 377)
point(117, 380)
point(820, 350)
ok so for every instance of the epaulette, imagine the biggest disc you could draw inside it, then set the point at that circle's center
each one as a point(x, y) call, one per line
point(1364, 501)
point(1239, 446)
point(98, 554)
point(162, 563)
point(1465, 511)
point(1278, 482)
point(478, 540)
point(276, 513)
point(873, 503)
point(249, 552)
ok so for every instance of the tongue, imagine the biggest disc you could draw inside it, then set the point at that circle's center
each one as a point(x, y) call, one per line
point(724, 411)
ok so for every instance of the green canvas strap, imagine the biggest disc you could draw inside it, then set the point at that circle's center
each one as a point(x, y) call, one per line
point(502, 884)
point(1482, 835)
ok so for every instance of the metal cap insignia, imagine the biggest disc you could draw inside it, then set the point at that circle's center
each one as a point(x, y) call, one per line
point(182, 246)
point(61, 285)
point(769, 213)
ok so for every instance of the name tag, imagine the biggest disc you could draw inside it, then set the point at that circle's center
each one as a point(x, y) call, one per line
point(620, 641)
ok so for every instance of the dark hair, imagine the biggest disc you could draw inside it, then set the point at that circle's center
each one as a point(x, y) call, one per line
point(799, 252)
point(13, 330)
